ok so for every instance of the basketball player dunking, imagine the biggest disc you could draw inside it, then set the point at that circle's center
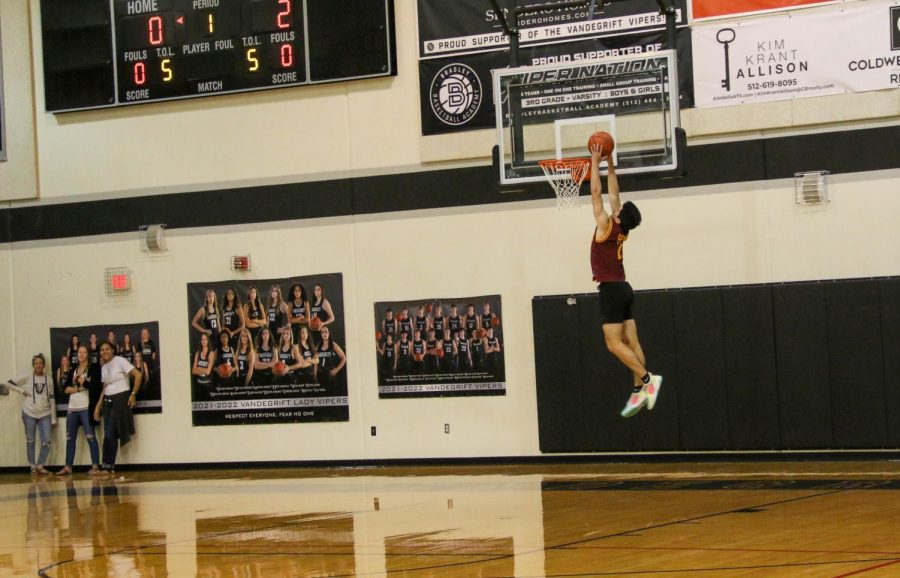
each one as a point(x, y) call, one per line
point(616, 295)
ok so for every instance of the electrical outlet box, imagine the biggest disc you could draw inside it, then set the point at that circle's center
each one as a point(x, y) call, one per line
point(446, 428)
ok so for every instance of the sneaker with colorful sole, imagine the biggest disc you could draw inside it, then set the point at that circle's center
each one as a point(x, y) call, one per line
point(652, 390)
point(635, 403)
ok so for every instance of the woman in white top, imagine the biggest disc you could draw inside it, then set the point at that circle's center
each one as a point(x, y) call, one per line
point(83, 379)
point(38, 411)
point(116, 404)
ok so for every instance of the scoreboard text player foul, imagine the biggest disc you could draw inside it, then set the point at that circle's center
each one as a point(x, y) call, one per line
point(100, 53)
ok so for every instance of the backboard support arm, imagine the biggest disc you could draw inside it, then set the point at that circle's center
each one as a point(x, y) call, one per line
point(667, 9)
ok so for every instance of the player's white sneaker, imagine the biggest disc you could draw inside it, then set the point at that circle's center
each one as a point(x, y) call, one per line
point(635, 403)
point(652, 390)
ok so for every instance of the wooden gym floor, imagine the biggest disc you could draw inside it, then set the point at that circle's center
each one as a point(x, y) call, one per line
point(804, 519)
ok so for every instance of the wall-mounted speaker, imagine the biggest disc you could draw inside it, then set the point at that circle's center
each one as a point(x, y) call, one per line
point(153, 238)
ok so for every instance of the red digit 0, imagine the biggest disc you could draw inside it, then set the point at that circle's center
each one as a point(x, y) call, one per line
point(155, 30)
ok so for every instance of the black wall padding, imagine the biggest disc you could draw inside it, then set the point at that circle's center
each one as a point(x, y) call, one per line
point(703, 397)
point(801, 346)
point(798, 366)
point(889, 299)
point(558, 369)
point(873, 149)
point(855, 364)
point(748, 333)
point(657, 430)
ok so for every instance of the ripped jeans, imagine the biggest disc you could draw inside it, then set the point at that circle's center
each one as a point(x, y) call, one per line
point(74, 420)
point(32, 424)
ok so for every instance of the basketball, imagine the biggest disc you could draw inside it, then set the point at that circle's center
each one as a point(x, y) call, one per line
point(440, 353)
point(378, 336)
point(428, 307)
point(225, 370)
point(418, 356)
point(603, 140)
point(280, 368)
point(315, 323)
point(481, 333)
point(495, 322)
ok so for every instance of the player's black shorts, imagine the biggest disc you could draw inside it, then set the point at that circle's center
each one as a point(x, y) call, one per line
point(616, 298)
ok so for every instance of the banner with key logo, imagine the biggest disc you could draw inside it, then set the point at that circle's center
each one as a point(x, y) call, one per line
point(852, 49)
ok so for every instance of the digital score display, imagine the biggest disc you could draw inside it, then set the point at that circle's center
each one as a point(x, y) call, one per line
point(176, 48)
point(170, 49)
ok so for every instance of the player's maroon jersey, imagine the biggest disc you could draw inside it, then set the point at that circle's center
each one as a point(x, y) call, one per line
point(606, 255)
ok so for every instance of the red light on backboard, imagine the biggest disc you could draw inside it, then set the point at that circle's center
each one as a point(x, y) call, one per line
point(119, 282)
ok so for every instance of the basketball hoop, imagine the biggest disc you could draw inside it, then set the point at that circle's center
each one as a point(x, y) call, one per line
point(566, 176)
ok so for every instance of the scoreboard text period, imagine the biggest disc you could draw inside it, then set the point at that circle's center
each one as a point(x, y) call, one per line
point(172, 48)
point(101, 53)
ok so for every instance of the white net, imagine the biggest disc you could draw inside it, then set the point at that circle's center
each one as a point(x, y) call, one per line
point(566, 176)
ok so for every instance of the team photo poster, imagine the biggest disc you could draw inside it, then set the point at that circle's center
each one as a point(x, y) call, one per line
point(440, 347)
point(136, 342)
point(268, 351)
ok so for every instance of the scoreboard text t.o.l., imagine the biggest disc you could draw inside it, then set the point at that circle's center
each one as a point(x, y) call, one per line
point(121, 52)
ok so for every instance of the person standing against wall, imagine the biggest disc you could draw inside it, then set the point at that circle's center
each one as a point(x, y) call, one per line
point(82, 380)
point(38, 411)
point(116, 404)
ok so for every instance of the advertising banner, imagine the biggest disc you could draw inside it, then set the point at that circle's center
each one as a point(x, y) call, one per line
point(268, 351)
point(455, 92)
point(781, 57)
point(473, 25)
point(702, 9)
point(459, 46)
point(440, 347)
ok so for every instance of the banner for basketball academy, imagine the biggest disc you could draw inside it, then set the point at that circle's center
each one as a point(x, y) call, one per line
point(616, 87)
point(440, 347)
point(268, 350)
point(704, 9)
point(138, 343)
point(782, 57)
point(459, 47)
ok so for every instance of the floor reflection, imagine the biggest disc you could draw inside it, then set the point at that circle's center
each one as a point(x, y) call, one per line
point(316, 544)
point(679, 520)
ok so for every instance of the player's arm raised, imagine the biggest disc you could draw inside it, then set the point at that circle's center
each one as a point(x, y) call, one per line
point(612, 183)
point(600, 215)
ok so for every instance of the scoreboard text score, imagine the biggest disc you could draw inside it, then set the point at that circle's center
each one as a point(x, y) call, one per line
point(168, 49)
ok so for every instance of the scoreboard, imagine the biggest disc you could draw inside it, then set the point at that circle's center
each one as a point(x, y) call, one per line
point(102, 53)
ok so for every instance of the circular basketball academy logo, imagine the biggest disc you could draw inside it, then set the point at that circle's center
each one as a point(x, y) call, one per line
point(456, 94)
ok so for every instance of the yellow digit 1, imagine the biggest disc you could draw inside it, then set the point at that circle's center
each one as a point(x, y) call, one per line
point(211, 27)
point(164, 65)
point(251, 58)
